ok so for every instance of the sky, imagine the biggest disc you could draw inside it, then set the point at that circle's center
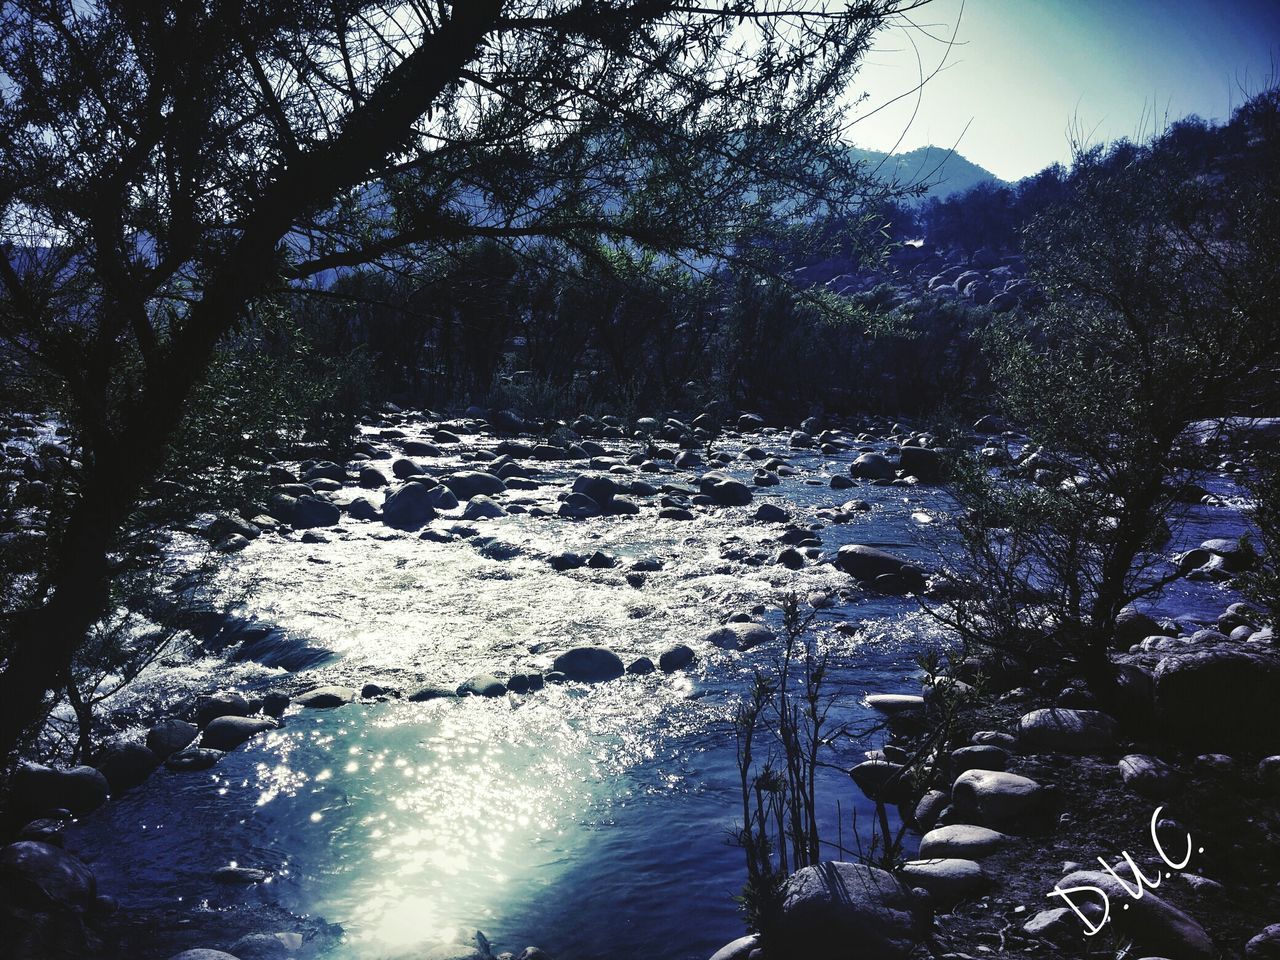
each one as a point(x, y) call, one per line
point(1024, 75)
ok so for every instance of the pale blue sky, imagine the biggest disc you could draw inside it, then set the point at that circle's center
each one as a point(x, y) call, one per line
point(1024, 72)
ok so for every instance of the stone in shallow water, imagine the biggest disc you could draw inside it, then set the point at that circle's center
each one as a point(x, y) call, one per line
point(192, 759)
point(227, 733)
point(677, 657)
point(589, 664)
point(169, 736)
point(239, 875)
point(482, 685)
point(739, 636)
point(432, 691)
point(325, 697)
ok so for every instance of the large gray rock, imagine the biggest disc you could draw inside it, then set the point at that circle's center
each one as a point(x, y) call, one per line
point(872, 466)
point(589, 664)
point(481, 507)
point(44, 878)
point(962, 840)
point(202, 953)
point(171, 735)
point(725, 491)
point(995, 797)
point(1219, 698)
point(1151, 922)
point(125, 765)
point(1066, 730)
point(409, 507)
point(882, 781)
point(227, 733)
point(325, 697)
point(37, 789)
point(209, 708)
point(1265, 946)
point(482, 685)
point(469, 483)
point(866, 563)
point(834, 907)
point(946, 879)
point(1148, 777)
point(896, 704)
point(923, 463)
point(739, 636)
point(313, 512)
point(739, 949)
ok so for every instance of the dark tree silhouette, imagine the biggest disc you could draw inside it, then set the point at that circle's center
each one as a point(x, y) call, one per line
point(165, 165)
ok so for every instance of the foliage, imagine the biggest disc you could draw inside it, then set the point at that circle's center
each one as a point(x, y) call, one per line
point(167, 168)
point(1262, 584)
point(1161, 289)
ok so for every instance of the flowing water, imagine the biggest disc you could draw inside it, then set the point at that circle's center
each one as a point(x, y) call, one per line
point(591, 821)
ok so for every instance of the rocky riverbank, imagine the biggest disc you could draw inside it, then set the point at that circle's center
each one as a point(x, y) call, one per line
point(444, 481)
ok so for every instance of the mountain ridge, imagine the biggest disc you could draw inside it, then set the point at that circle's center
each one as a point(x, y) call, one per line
point(946, 172)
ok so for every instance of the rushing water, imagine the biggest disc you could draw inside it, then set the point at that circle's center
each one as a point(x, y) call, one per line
point(592, 821)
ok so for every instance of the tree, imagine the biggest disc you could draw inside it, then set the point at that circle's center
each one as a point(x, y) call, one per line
point(165, 166)
point(1161, 281)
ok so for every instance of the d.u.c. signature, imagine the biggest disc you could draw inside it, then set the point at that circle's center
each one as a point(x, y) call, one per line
point(1141, 882)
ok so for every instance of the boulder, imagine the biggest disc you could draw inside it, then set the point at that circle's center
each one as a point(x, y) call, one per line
point(725, 491)
point(43, 878)
point(482, 685)
point(1151, 922)
point(946, 879)
point(1265, 946)
point(325, 697)
point(979, 757)
point(589, 664)
point(190, 759)
point(923, 463)
point(771, 513)
point(599, 488)
point(676, 658)
point(36, 789)
point(994, 797)
point(1067, 731)
point(1219, 698)
point(896, 704)
point(830, 906)
point(1148, 777)
point(739, 949)
point(209, 708)
point(871, 466)
point(170, 735)
point(227, 733)
point(432, 691)
point(739, 636)
point(481, 507)
point(962, 840)
point(125, 765)
point(882, 781)
point(313, 512)
point(750, 421)
point(865, 563)
point(202, 953)
point(409, 507)
point(929, 809)
point(469, 483)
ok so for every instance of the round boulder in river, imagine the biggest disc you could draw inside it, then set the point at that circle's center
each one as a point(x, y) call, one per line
point(589, 664)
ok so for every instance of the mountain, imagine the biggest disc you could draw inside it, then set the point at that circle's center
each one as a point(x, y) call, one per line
point(945, 172)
